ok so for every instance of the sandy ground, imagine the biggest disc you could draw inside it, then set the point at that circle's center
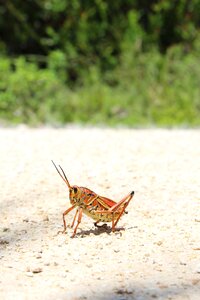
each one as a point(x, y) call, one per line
point(155, 254)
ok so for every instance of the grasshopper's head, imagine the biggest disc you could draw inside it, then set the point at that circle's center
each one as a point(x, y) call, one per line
point(74, 193)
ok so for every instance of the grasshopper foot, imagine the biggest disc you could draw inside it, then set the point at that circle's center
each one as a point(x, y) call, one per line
point(100, 226)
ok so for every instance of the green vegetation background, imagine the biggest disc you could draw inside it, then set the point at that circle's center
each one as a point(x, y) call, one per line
point(131, 62)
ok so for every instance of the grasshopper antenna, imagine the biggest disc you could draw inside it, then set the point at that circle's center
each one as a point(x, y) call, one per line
point(65, 177)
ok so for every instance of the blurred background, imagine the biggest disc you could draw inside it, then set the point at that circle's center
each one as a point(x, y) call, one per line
point(128, 62)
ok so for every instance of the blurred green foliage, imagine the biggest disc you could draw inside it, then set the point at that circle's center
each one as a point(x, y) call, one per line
point(130, 62)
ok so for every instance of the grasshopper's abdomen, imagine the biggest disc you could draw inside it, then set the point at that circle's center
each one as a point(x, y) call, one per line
point(102, 217)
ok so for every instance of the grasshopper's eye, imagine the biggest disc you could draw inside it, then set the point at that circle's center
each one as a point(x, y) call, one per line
point(75, 190)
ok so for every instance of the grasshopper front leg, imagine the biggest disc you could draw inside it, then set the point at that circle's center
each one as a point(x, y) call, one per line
point(64, 222)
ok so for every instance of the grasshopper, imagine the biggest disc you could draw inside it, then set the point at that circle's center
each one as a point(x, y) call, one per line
point(99, 208)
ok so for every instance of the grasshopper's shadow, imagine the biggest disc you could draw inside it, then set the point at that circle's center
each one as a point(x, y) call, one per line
point(99, 230)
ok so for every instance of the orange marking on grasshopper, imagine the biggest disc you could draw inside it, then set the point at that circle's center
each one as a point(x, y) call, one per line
point(99, 208)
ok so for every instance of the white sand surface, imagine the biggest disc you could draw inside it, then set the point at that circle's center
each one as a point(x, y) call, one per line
point(155, 254)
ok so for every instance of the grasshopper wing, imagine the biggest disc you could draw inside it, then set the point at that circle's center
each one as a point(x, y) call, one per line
point(105, 202)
